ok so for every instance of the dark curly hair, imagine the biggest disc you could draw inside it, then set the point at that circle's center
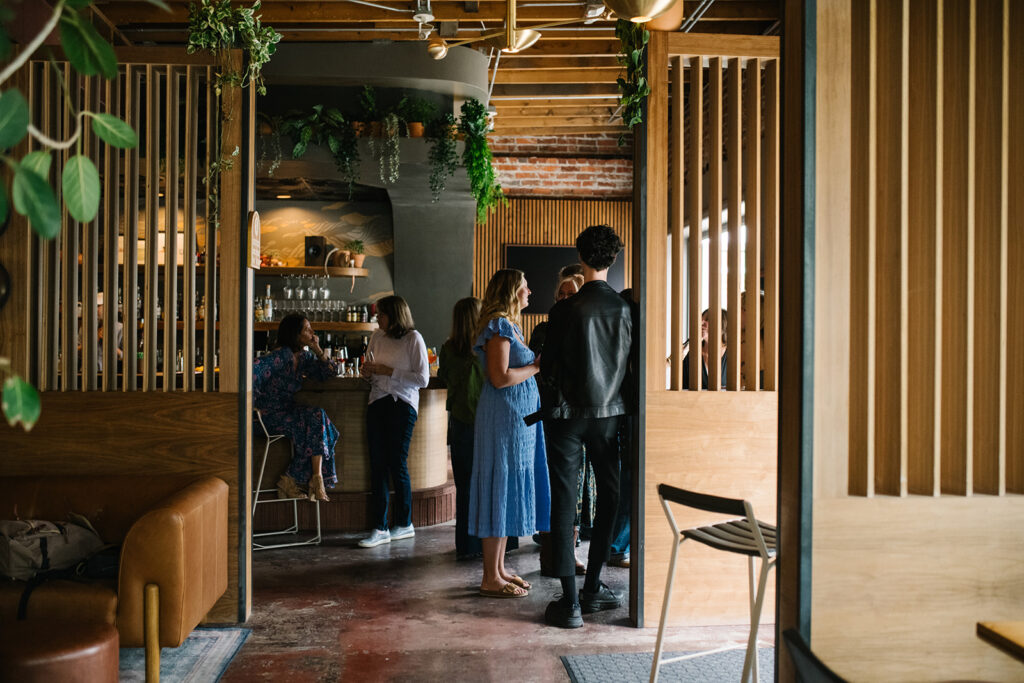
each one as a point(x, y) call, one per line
point(598, 246)
point(289, 330)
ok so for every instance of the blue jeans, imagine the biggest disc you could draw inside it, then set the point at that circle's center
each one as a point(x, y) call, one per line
point(389, 426)
point(620, 527)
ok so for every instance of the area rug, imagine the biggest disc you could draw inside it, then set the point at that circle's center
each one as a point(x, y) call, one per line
point(202, 658)
point(636, 666)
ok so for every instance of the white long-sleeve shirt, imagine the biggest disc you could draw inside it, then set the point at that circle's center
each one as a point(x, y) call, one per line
point(408, 357)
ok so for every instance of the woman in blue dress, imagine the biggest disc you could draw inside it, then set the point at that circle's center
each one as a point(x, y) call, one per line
point(276, 378)
point(509, 490)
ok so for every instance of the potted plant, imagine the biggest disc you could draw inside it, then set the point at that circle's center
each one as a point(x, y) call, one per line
point(442, 155)
point(356, 247)
point(370, 112)
point(327, 127)
point(416, 112)
point(478, 160)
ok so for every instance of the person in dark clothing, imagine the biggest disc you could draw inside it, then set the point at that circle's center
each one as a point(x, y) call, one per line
point(723, 356)
point(582, 369)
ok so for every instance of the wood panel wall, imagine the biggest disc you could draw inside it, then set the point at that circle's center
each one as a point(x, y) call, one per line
point(906, 556)
point(545, 222)
point(931, 303)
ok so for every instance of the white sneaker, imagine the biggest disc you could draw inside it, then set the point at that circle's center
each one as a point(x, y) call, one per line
point(376, 538)
point(400, 532)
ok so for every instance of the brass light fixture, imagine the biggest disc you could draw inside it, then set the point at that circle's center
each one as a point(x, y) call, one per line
point(639, 11)
point(510, 39)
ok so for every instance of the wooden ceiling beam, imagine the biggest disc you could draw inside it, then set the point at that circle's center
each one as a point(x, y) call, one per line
point(556, 130)
point(555, 89)
point(596, 75)
point(558, 62)
point(604, 101)
point(508, 112)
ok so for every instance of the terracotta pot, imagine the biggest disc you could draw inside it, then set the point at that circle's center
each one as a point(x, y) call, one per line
point(415, 129)
point(376, 128)
point(358, 258)
point(359, 128)
point(265, 128)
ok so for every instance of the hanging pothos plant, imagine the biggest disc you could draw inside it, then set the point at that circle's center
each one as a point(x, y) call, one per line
point(633, 86)
point(386, 148)
point(443, 158)
point(478, 160)
point(327, 127)
point(214, 26)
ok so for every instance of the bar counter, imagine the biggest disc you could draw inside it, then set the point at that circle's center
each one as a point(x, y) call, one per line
point(345, 400)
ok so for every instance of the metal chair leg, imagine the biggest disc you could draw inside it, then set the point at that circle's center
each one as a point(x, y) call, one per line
point(656, 664)
point(750, 661)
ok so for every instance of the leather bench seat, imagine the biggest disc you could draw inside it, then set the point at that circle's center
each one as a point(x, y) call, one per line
point(44, 651)
point(62, 599)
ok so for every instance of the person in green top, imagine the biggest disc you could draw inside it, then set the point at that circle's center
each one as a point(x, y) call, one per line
point(460, 370)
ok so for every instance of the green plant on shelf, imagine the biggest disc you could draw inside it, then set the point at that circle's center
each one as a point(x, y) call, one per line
point(355, 246)
point(386, 149)
point(416, 110)
point(443, 157)
point(633, 86)
point(368, 104)
point(478, 160)
point(327, 127)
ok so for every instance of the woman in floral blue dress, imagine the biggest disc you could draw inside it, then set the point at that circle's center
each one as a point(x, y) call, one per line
point(509, 489)
point(276, 378)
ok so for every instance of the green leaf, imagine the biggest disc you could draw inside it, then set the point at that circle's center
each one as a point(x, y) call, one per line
point(299, 149)
point(81, 185)
point(38, 162)
point(13, 118)
point(114, 131)
point(85, 48)
point(21, 403)
point(34, 198)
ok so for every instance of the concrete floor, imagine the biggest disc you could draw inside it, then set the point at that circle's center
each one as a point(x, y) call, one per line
point(408, 611)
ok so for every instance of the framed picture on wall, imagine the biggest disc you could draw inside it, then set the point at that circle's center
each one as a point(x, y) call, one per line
point(541, 265)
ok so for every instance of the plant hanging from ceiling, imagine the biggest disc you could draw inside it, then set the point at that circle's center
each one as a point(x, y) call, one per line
point(31, 192)
point(386, 148)
point(327, 127)
point(443, 156)
point(478, 160)
point(633, 86)
point(214, 26)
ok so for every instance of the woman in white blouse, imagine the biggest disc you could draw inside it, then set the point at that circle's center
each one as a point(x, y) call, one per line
point(396, 366)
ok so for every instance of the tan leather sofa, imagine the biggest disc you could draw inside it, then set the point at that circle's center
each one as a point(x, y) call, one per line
point(173, 534)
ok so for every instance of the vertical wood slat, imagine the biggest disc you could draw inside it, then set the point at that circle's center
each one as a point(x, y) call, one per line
point(770, 225)
point(986, 406)
point(656, 128)
point(69, 266)
point(924, 251)
point(677, 220)
point(111, 187)
point(889, 214)
point(50, 337)
point(750, 308)
point(695, 206)
point(734, 88)
point(90, 254)
point(151, 269)
point(714, 156)
point(34, 319)
point(232, 230)
point(1004, 229)
point(861, 477)
point(130, 266)
point(171, 154)
point(1014, 79)
point(956, 150)
point(210, 255)
point(188, 271)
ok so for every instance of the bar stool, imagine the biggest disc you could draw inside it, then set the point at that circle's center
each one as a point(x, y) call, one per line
point(745, 536)
point(294, 528)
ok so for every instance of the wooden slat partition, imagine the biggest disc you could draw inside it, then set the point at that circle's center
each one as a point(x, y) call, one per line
point(172, 151)
point(90, 256)
point(1014, 216)
point(714, 157)
point(932, 383)
point(129, 267)
point(691, 181)
point(734, 199)
point(770, 241)
point(111, 174)
point(150, 285)
point(677, 220)
point(748, 322)
point(554, 222)
point(188, 284)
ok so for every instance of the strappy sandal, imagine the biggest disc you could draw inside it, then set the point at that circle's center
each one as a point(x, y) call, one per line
point(509, 590)
point(520, 581)
point(317, 490)
point(287, 488)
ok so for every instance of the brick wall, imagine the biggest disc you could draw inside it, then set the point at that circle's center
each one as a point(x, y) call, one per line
point(563, 165)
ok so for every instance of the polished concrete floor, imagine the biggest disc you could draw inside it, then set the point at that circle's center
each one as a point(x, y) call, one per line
point(408, 611)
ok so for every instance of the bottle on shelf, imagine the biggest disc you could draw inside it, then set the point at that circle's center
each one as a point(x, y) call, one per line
point(328, 347)
point(268, 306)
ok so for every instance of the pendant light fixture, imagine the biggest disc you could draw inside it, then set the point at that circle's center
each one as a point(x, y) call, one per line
point(639, 11)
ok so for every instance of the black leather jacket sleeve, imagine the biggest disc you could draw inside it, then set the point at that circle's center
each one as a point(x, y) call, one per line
point(586, 353)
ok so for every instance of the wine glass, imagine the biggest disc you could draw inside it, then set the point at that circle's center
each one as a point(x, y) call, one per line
point(289, 289)
point(311, 288)
point(300, 290)
point(325, 292)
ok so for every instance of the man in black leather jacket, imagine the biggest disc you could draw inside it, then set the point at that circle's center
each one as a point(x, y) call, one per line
point(582, 369)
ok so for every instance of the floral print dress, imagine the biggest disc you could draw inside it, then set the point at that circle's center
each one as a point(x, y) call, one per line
point(275, 380)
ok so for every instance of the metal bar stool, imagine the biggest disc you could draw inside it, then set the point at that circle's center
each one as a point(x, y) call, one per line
point(745, 536)
point(294, 528)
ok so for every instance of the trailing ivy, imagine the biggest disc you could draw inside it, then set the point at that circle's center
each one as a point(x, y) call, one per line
point(478, 160)
point(327, 127)
point(214, 26)
point(442, 155)
point(633, 86)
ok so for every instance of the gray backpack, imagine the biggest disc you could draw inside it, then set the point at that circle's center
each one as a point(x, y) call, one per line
point(32, 546)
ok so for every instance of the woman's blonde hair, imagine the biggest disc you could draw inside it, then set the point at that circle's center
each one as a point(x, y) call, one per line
point(501, 300)
point(575, 278)
point(399, 316)
point(465, 316)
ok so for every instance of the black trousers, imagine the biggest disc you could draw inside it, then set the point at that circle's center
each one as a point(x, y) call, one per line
point(565, 440)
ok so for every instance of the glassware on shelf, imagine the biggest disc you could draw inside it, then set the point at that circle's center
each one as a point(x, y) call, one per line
point(300, 289)
point(325, 292)
point(288, 289)
point(311, 289)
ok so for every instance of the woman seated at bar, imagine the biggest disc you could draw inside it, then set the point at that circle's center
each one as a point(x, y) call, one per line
point(510, 493)
point(276, 377)
point(396, 365)
point(722, 356)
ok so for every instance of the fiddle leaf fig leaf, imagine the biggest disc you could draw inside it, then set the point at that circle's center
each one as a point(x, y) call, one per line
point(38, 162)
point(81, 185)
point(20, 403)
point(114, 131)
point(34, 198)
point(87, 51)
point(13, 118)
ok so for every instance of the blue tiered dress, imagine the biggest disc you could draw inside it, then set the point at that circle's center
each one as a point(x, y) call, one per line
point(510, 494)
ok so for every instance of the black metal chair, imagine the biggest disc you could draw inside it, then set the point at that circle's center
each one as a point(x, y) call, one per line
point(744, 536)
point(259, 490)
point(809, 669)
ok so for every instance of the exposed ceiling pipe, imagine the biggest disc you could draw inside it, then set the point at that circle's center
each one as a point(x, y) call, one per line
point(388, 8)
point(692, 20)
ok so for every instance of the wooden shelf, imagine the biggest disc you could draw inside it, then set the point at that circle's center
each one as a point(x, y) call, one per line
point(322, 327)
point(313, 270)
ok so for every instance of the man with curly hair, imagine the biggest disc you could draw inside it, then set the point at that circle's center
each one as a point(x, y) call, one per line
point(583, 365)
